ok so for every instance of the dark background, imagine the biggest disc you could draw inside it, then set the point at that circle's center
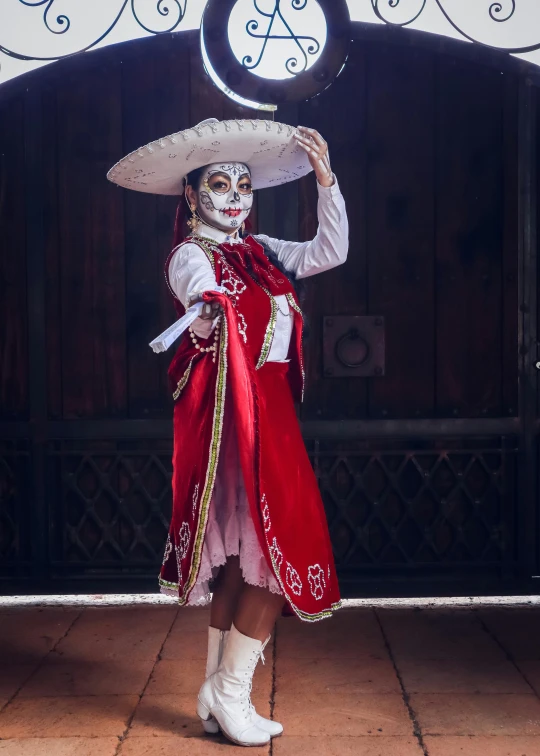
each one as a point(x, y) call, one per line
point(429, 473)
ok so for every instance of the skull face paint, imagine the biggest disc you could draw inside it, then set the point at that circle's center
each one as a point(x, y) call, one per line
point(225, 195)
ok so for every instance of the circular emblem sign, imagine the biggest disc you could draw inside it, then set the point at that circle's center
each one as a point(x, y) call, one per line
point(274, 51)
point(280, 44)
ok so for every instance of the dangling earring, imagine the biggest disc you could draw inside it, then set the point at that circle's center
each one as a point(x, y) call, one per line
point(194, 221)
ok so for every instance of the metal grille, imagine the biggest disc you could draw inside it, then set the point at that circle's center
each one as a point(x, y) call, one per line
point(14, 498)
point(113, 504)
point(423, 506)
point(439, 503)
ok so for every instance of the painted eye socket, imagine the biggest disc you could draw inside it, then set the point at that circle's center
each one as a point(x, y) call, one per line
point(219, 185)
point(245, 187)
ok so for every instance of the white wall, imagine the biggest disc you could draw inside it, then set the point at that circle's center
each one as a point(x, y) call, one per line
point(23, 30)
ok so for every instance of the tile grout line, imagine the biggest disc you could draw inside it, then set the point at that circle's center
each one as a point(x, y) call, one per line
point(417, 730)
point(41, 663)
point(273, 691)
point(507, 653)
point(122, 737)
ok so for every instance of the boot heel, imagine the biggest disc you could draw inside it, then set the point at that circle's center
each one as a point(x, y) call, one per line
point(210, 726)
point(202, 712)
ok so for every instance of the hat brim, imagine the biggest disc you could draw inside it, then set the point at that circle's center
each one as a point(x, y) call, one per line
point(266, 147)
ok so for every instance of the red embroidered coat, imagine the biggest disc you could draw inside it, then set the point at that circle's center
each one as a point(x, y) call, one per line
point(282, 490)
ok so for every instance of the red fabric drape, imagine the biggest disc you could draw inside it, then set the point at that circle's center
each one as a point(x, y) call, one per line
point(283, 494)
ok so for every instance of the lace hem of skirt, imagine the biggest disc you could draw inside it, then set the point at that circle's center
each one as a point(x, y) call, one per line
point(201, 594)
point(253, 570)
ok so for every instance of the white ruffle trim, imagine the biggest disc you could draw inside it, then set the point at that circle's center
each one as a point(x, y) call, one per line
point(231, 533)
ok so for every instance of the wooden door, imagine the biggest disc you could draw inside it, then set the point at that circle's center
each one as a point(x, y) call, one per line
point(418, 467)
point(425, 471)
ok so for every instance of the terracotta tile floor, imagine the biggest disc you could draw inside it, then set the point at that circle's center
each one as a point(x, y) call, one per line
point(122, 681)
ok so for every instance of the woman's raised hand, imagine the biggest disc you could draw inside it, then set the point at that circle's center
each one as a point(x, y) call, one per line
point(317, 151)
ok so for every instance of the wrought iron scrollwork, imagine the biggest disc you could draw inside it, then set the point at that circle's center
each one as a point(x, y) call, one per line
point(163, 9)
point(292, 64)
point(174, 8)
point(497, 8)
point(501, 11)
point(62, 20)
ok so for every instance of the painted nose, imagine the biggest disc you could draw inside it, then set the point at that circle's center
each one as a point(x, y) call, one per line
point(236, 197)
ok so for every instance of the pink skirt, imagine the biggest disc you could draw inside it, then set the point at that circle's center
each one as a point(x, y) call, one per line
point(230, 530)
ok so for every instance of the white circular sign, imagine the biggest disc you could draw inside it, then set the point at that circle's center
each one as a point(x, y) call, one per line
point(277, 39)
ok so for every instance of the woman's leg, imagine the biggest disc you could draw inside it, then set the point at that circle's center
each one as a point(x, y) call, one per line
point(256, 612)
point(226, 591)
point(225, 695)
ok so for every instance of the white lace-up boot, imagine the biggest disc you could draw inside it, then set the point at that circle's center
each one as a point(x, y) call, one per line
point(216, 643)
point(226, 695)
point(217, 640)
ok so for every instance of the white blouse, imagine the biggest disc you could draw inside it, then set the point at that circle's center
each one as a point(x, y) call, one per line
point(190, 270)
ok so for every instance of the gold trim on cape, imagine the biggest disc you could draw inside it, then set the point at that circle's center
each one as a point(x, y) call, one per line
point(270, 329)
point(215, 444)
point(291, 300)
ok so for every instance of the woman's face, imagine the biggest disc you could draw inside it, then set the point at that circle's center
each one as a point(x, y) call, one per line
point(225, 195)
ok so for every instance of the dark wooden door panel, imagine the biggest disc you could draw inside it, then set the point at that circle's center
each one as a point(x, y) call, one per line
point(432, 229)
point(53, 252)
point(469, 240)
point(149, 219)
point(400, 228)
point(426, 155)
point(91, 223)
point(510, 251)
point(340, 115)
point(13, 297)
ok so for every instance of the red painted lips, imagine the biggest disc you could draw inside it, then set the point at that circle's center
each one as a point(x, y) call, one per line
point(232, 212)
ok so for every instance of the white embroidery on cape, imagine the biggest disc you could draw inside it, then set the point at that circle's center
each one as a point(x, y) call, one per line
point(184, 537)
point(266, 514)
point(317, 582)
point(293, 580)
point(277, 556)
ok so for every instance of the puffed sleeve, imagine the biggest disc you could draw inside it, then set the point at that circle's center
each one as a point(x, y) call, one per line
point(190, 272)
point(330, 246)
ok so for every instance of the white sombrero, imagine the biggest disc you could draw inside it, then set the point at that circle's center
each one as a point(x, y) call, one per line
point(266, 147)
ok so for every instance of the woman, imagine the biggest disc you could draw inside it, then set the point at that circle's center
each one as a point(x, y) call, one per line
point(247, 514)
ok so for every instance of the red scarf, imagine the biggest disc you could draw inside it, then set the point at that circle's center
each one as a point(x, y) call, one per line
point(251, 255)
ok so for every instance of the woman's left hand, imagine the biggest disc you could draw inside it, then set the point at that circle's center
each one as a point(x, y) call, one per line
point(317, 151)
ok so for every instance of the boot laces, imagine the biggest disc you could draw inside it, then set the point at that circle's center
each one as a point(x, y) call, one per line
point(248, 683)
